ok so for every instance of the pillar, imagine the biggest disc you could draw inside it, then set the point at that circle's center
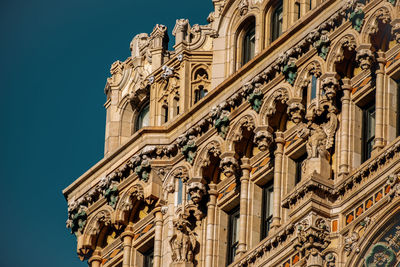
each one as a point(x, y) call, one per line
point(210, 224)
point(158, 236)
point(276, 216)
point(244, 193)
point(127, 237)
point(95, 260)
point(379, 108)
point(345, 128)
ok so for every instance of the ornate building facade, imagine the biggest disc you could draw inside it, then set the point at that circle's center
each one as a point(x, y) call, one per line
point(268, 137)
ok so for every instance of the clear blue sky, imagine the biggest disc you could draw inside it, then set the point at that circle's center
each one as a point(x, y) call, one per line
point(55, 58)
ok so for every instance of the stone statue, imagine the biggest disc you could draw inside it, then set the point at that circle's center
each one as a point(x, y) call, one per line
point(183, 242)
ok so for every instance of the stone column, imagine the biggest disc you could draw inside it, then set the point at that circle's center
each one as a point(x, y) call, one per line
point(127, 237)
point(158, 220)
point(95, 260)
point(244, 192)
point(210, 224)
point(379, 108)
point(345, 129)
point(276, 216)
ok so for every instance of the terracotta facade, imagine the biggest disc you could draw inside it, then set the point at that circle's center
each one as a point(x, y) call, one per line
point(269, 137)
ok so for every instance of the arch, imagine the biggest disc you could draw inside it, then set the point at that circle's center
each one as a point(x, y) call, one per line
point(200, 80)
point(128, 201)
point(315, 67)
point(212, 149)
point(347, 42)
point(374, 29)
point(281, 95)
point(375, 234)
point(268, 8)
point(96, 229)
point(248, 121)
point(238, 43)
point(182, 170)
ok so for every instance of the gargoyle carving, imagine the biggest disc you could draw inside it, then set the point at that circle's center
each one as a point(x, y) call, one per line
point(229, 166)
point(263, 140)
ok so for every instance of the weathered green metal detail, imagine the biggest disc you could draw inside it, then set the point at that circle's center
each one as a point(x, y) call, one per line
point(111, 194)
point(290, 72)
point(357, 18)
point(222, 124)
point(77, 221)
point(393, 2)
point(255, 99)
point(189, 151)
point(143, 169)
point(380, 256)
point(322, 45)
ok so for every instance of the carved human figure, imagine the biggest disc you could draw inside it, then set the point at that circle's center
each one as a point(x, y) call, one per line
point(316, 143)
point(183, 242)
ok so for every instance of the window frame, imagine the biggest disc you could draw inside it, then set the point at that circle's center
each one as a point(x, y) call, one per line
point(138, 117)
point(232, 246)
point(267, 203)
point(368, 141)
point(275, 21)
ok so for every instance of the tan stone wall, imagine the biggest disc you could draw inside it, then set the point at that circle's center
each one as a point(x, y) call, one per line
point(249, 131)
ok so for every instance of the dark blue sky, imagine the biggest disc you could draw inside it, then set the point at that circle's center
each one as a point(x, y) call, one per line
point(55, 58)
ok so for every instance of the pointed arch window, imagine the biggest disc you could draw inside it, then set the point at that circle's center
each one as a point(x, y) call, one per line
point(143, 118)
point(277, 21)
point(249, 43)
point(199, 93)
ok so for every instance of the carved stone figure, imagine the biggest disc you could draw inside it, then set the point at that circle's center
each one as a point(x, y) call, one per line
point(296, 112)
point(330, 85)
point(188, 147)
point(255, 99)
point(221, 120)
point(350, 243)
point(322, 45)
point(183, 241)
point(196, 191)
point(290, 70)
point(364, 58)
point(357, 17)
point(263, 140)
point(229, 166)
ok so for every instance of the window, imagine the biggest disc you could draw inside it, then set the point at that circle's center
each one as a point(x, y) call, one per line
point(297, 10)
point(179, 192)
point(267, 208)
point(176, 106)
point(368, 130)
point(199, 94)
point(148, 257)
point(233, 235)
point(314, 81)
point(277, 22)
point(299, 168)
point(249, 43)
point(164, 113)
point(143, 118)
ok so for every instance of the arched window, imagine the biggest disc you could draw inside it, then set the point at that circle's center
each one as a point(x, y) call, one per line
point(249, 43)
point(199, 93)
point(277, 22)
point(143, 118)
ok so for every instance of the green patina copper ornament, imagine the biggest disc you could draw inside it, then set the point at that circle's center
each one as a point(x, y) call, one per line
point(357, 18)
point(290, 72)
point(111, 194)
point(78, 221)
point(381, 256)
point(255, 100)
point(222, 124)
point(189, 151)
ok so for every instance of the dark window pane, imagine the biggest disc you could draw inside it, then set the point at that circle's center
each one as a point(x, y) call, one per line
point(148, 257)
point(368, 131)
point(143, 118)
point(233, 235)
point(277, 22)
point(267, 208)
point(249, 42)
point(313, 87)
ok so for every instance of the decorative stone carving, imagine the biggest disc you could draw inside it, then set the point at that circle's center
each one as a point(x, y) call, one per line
point(393, 181)
point(312, 239)
point(143, 169)
point(290, 70)
point(168, 72)
point(351, 243)
point(330, 85)
point(365, 58)
point(221, 120)
point(357, 17)
point(111, 193)
point(381, 255)
point(188, 147)
point(255, 99)
point(396, 30)
point(393, 2)
point(77, 219)
point(196, 191)
point(322, 45)
point(243, 7)
point(263, 140)
point(116, 71)
point(183, 241)
point(296, 112)
point(330, 260)
point(229, 166)
point(280, 95)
